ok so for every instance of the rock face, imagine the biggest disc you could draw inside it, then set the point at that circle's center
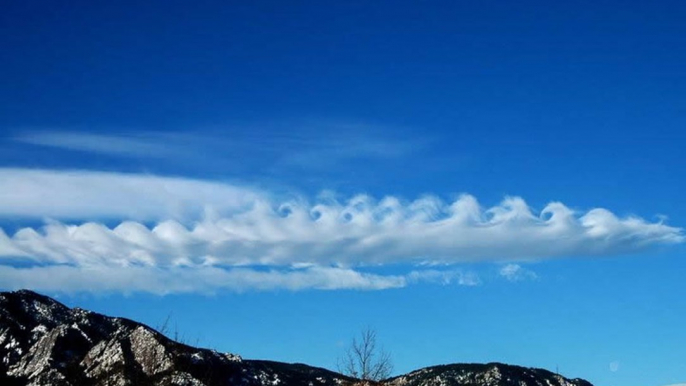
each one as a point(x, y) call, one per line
point(43, 342)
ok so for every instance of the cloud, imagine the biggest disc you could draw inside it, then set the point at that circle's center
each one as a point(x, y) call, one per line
point(218, 232)
point(515, 272)
point(85, 194)
point(444, 277)
point(198, 279)
point(614, 366)
point(309, 146)
point(139, 145)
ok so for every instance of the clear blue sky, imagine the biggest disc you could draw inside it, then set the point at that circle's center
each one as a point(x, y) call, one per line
point(479, 181)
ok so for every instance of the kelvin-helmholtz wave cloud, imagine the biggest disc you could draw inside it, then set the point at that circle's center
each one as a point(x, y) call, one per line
point(169, 235)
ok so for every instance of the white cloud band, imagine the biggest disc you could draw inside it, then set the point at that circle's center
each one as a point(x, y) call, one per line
point(240, 227)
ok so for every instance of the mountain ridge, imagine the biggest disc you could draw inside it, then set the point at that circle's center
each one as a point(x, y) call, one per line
point(44, 342)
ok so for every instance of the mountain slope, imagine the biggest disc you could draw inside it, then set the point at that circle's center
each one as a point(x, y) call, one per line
point(491, 374)
point(43, 342)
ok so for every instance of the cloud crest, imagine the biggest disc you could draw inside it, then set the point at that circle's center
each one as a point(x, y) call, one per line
point(236, 229)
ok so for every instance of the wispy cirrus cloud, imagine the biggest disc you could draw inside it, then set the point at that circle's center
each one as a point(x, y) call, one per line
point(304, 146)
point(615, 366)
point(222, 230)
point(515, 272)
point(124, 144)
point(444, 277)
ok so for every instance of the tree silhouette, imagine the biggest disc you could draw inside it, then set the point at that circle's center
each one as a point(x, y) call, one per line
point(364, 360)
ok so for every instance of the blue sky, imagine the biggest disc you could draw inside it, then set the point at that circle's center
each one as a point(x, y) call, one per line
point(479, 181)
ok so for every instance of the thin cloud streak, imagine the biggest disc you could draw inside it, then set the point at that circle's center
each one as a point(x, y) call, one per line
point(111, 144)
point(303, 148)
point(208, 280)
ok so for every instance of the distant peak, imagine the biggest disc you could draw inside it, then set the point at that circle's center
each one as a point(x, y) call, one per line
point(35, 304)
point(28, 292)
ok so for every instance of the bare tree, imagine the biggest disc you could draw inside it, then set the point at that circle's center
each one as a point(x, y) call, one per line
point(364, 360)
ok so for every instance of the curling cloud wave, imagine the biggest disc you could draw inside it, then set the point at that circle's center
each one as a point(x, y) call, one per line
point(207, 236)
